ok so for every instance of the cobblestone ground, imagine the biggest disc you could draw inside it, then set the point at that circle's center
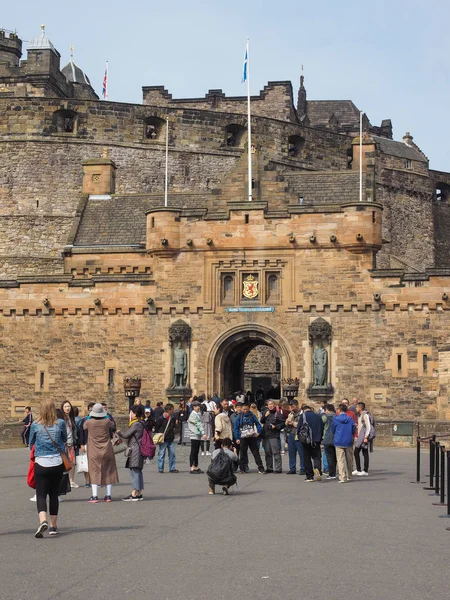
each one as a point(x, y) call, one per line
point(376, 538)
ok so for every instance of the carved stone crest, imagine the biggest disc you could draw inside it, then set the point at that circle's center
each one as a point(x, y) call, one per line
point(320, 329)
point(180, 332)
point(250, 287)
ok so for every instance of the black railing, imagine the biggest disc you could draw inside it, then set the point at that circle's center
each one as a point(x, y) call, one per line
point(439, 457)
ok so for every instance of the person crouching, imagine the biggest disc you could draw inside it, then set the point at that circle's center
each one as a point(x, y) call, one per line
point(221, 471)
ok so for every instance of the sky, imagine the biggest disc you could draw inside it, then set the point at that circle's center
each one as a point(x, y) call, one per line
point(392, 58)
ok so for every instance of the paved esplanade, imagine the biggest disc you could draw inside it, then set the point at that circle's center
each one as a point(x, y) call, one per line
point(278, 537)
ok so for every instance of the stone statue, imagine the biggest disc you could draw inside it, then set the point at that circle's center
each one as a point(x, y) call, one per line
point(320, 366)
point(179, 366)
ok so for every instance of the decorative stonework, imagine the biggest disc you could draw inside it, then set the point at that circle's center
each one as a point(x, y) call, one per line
point(320, 329)
point(180, 331)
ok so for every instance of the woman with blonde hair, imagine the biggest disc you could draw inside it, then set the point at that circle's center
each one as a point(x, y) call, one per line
point(48, 435)
point(255, 411)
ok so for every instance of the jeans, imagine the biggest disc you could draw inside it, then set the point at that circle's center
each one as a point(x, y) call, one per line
point(295, 447)
point(345, 462)
point(162, 453)
point(272, 451)
point(330, 453)
point(365, 452)
point(312, 455)
point(245, 444)
point(195, 448)
point(48, 480)
point(137, 479)
point(325, 460)
point(283, 440)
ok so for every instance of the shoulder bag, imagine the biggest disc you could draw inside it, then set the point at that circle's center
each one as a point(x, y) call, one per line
point(158, 438)
point(64, 457)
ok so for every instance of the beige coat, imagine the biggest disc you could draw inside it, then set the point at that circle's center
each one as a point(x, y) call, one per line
point(222, 427)
point(101, 458)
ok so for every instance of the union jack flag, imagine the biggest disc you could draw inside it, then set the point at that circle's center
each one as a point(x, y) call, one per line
point(105, 83)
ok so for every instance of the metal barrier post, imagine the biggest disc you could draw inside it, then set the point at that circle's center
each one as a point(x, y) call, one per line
point(417, 462)
point(442, 478)
point(447, 516)
point(432, 456)
point(436, 469)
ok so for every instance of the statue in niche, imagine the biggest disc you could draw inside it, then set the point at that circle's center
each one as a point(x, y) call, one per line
point(179, 366)
point(320, 366)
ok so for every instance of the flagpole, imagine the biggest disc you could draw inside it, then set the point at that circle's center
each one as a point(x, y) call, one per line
point(250, 187)
point(107, 69)
point(360, 155)
point(167, 163)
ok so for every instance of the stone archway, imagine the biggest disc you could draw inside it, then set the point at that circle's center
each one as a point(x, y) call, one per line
point(227, 355)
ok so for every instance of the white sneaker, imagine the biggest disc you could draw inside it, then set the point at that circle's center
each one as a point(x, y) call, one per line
point(33, 499)
point(356, 473)
point(203, 454)
point(363, 474)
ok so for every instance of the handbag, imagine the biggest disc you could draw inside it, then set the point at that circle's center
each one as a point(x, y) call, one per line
point(158, 438)
point(64, 457)
point(118, 444)
point(249, 432)
point(30, 477)
point(82, 463)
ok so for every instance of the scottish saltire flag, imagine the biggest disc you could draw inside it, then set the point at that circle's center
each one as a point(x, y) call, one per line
point(105, 83)
point(244, 74)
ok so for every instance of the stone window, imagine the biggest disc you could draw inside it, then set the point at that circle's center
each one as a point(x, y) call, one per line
point(408, 164)
point(295, 146)
point(234, 135)
point(65, 121)
point(110, 378)
point(154, 128)
point(442, 193)
point(227, 285)
point(349, 158)
point(272, 288)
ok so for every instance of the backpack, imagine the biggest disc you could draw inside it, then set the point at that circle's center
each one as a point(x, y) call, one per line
point(305, 435)
point(220, 470)
point(373, 433)
point(147, 446)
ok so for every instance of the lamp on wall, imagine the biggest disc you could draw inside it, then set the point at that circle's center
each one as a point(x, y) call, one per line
point(312, 239)
point(359, 237)
point(445, 296)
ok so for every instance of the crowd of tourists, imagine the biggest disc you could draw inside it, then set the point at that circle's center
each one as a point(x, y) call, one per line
point(324, 443)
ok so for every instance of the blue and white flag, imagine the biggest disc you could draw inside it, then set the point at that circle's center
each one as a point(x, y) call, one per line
point(244, 74)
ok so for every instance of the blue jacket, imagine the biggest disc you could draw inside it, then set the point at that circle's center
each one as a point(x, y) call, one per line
point(315, 422)
point(244, 420)
point(42, 443)
point(343, 428)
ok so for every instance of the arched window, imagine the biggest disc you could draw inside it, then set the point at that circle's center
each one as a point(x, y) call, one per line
point(154, 128)
point(65, 121)
point(442, 193)
point(295, 146)
point(234, 135)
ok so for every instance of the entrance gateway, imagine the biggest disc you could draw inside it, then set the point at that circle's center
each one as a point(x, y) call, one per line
point(227, 357)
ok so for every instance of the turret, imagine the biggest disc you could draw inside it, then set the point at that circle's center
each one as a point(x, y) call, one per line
point(10, 48)
point(43, 58)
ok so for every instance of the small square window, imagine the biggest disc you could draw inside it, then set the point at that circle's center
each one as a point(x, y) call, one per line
point(407, 163)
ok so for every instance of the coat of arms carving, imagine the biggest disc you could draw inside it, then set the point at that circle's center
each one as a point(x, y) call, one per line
point(250, 287)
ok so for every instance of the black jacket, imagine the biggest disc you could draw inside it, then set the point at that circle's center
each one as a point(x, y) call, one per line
point(160, 427)
point(274, 418)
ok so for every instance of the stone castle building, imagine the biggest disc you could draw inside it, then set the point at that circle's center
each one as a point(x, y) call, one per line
point(309, 281)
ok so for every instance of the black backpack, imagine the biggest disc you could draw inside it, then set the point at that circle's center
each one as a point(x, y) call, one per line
point(305, 432)
point(221, 468)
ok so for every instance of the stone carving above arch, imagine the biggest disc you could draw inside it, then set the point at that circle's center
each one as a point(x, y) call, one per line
point(320, 328)
point(180, 331)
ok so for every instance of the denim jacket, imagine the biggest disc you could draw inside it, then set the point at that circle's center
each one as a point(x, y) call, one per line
point(43, 445)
